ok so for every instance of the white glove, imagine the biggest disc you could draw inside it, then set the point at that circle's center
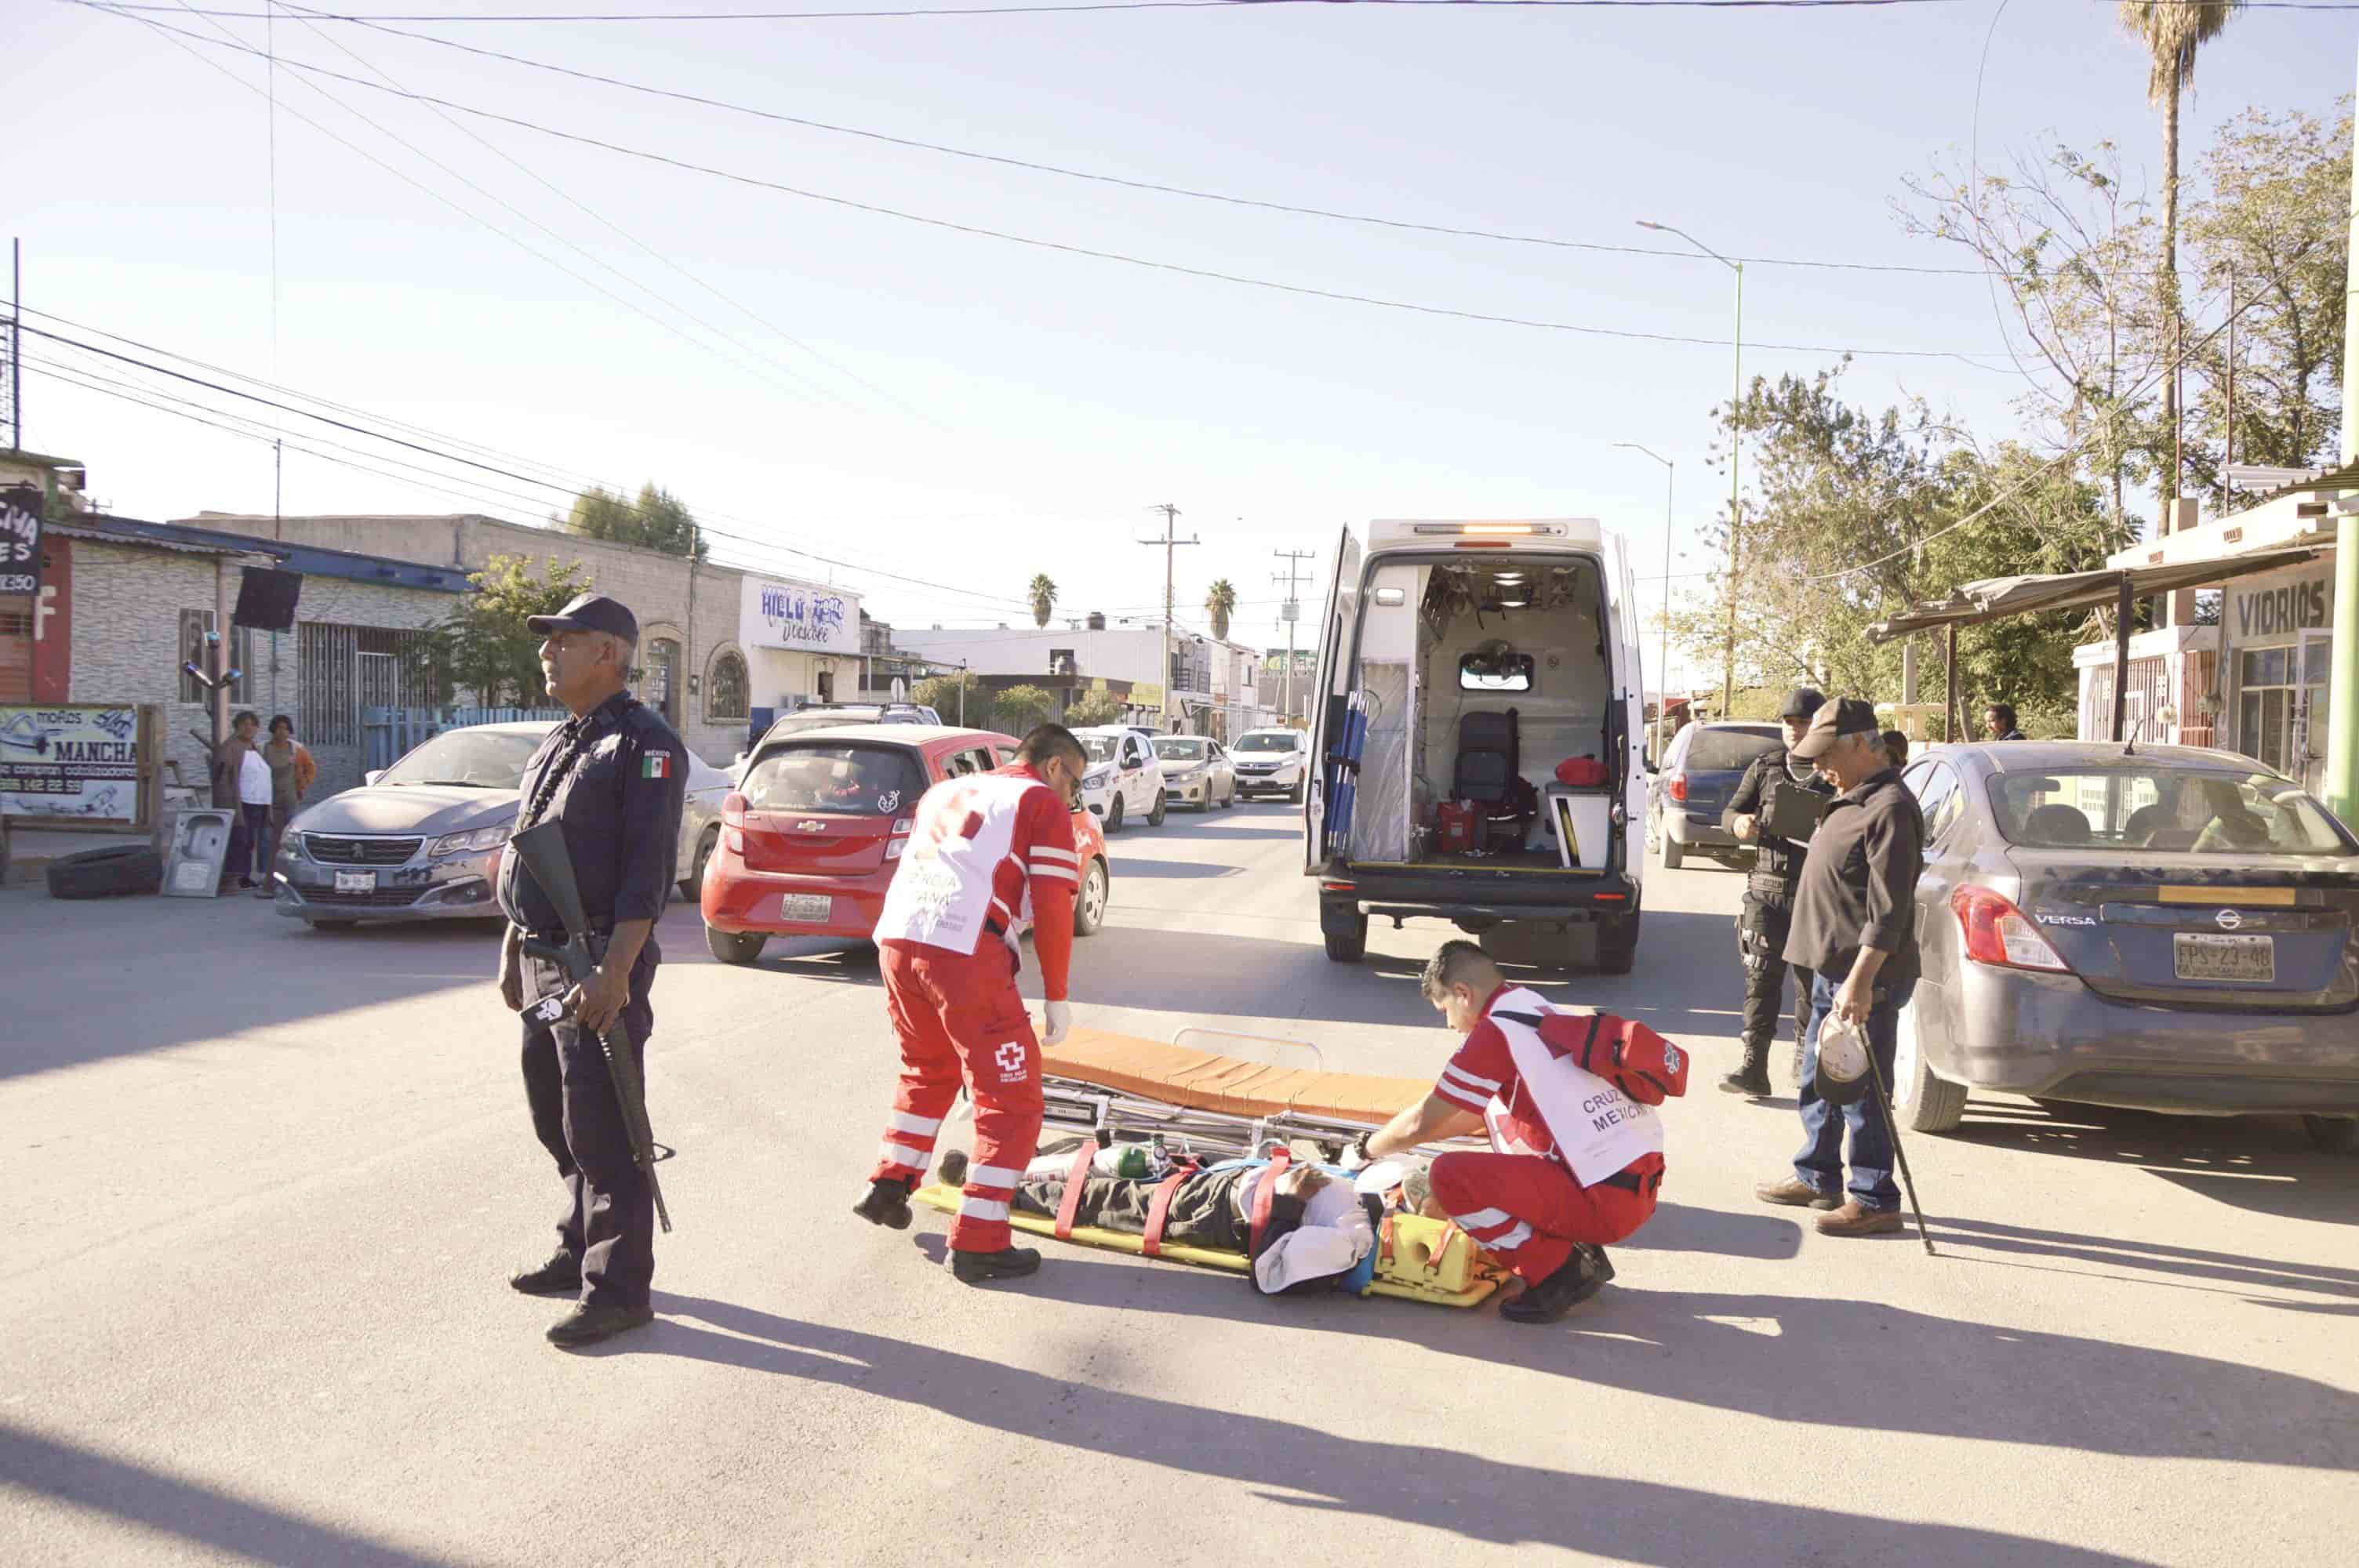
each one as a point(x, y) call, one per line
point(1061, 1023)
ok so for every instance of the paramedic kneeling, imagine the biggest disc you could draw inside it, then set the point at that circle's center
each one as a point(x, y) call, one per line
point(988, 855)
point(1577, 1162)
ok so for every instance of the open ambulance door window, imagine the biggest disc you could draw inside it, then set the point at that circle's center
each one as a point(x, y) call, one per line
point(1484, 670)
point(1327, 698)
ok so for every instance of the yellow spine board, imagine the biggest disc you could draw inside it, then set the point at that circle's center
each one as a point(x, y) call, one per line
point(1405, 1271)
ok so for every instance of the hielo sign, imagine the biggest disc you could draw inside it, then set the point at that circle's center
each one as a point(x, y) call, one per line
point(798, 617)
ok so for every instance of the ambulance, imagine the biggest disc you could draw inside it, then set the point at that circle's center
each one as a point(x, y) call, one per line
point(1477, 736)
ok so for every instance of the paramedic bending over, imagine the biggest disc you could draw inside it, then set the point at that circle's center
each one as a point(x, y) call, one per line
point(1524, 1203)
point(988, 855)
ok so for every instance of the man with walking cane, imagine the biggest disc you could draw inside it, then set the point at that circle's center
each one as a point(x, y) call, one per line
point(1854, 924)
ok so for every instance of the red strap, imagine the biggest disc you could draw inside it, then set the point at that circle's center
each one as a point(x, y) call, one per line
point(1266, 1194)
point(1449, 1232)
point(1158, 1207)
point(1071, 1204)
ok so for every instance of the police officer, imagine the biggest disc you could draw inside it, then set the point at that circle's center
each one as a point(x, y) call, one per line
point(612, 775)
point(1769, 898)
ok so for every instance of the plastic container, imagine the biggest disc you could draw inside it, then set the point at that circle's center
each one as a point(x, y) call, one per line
point(1456, 822)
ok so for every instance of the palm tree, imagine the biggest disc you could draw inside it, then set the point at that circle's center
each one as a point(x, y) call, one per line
point(1044, 598)
point(1220, 603)
point(2172, 30)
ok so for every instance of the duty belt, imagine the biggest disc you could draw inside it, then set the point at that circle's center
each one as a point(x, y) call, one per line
point(600, 929)
point(1772, 883)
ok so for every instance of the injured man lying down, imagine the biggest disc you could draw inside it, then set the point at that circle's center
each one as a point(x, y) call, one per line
point(1318, 1226)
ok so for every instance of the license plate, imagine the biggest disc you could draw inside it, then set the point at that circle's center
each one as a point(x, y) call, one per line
point(808, 908)
point(356, 881)
point(2199, 955)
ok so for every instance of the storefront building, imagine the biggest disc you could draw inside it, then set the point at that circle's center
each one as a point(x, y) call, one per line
point(801, 643)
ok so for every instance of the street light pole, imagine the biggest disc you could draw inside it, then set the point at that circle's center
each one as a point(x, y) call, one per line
point(1736, 502)
point(1663, 702)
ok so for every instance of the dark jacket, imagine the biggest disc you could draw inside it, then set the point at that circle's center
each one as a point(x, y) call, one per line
point(1773, 857)
point(1858, 886)
point(616, 778)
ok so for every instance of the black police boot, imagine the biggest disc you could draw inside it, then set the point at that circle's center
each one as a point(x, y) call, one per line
point(1007, 1263)
point(1585, 1273)
point(589, 1325)
point(1752, 1077)
point(887, 1204)
point(560, 1276)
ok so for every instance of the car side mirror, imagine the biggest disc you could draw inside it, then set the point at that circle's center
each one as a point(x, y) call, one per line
point(371, 777)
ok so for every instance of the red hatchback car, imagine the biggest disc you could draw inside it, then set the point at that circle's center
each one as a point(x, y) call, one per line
point(812, 835)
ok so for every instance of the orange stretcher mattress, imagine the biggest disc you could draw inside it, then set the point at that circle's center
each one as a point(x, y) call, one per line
point(1177, 1074)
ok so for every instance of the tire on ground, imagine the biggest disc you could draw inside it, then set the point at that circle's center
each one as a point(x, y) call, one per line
point(735, 946)
point(1928, 1102)
point(106, 873)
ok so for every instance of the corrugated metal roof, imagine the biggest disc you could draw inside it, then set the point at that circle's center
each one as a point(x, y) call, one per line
point(95, 529)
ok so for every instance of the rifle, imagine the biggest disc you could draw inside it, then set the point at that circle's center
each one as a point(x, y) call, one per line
point(541, 849)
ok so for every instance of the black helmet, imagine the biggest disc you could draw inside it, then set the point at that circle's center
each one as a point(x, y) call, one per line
point(1801, 703)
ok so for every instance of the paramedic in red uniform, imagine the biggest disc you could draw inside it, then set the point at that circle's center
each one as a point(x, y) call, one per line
point(989, 855)
point(1543, 1205)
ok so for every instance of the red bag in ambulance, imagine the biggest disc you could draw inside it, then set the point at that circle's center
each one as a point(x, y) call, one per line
point(1622, 1051)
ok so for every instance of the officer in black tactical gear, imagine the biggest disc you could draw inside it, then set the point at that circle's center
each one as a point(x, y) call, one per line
point(1769, 899)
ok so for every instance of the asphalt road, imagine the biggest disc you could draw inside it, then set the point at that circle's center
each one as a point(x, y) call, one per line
point(264, 1186)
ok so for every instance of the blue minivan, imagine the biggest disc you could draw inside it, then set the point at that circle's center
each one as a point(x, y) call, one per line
point(1699, 776)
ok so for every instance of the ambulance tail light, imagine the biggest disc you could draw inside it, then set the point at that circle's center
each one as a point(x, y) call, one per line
point(732, 822)
point(1998, 934)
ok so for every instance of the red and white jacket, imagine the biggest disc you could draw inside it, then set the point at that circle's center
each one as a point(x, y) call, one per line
point(990, 855)
point(1534, 1102)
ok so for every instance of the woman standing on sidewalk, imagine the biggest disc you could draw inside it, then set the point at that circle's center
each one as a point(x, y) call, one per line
point(291, 773)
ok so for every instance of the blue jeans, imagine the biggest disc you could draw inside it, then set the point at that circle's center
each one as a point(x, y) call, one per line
point(1820, 1163)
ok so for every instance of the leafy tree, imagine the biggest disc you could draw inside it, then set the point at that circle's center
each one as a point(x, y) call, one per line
point(2172, 31)
point(657, 521)
point(1094, 707)
point(1019, 708)
point(2272, 218)
point(942, 693)
point(1043, 594)
point(1220, 603)
point(484, 647)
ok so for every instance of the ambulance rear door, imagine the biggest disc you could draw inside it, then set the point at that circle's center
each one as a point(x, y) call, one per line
point(1337, 634)
point(1630, 696)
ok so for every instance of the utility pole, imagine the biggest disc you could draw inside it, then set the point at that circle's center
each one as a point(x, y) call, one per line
point(2343, 699)
point(1170, 519)
point(1293, 615)
point(15, 345)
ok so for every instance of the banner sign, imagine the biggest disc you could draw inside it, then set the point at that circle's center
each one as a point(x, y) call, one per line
point(70, 759)
point(798, 617)
point(20, 541)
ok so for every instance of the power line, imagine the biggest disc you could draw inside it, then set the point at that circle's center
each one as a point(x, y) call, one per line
point(1147, 185)
point(1063, 247)
point(494, 469)
point(1098, 6)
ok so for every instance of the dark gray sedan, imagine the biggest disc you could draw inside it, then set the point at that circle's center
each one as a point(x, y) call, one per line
point(2162, 929)
point(421, 839)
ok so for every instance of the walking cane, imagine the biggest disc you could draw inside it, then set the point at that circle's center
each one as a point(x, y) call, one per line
point(1891, 1130)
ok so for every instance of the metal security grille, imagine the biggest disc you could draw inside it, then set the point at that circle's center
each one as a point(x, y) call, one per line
point(342, 669)
point(724, 695)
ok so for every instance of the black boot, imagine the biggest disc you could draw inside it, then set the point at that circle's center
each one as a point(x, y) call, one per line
point(560, 1276)
point(1007, 1263)
point(1585, 1273)
point(1752, 1077)
point(887, 1204)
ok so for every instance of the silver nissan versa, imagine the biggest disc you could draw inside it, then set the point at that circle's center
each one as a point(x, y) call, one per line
point(2161, 928)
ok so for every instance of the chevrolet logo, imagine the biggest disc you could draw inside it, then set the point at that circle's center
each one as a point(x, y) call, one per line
point(821, 828)
point(2228, 920)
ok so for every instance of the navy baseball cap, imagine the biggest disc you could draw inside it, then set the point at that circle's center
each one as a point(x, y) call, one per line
point(589, 612)
point(1801, 703)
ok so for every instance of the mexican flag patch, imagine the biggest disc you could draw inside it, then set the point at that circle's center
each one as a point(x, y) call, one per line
point(656, 765)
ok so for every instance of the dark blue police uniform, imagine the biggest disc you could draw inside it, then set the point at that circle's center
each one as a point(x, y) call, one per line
point(614, 778)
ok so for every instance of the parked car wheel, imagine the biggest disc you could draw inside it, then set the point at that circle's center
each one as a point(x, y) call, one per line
point(1617, 943)
point(1673, 852)
point(1090, 904)
point(736, 946)
point(2333, 1134)
point(1346, 948)
point(1162, 804)
point(692, 886)
point(104, 874)
point(1929, 1102)
point(1114, 816)
point(1295, 795)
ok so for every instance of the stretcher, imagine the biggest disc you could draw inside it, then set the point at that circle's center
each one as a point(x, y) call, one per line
point(1203, 1105)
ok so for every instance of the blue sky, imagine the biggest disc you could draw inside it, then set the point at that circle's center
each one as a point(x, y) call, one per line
point(1015, 409)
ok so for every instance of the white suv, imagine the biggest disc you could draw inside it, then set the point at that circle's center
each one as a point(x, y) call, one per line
point(1124, 779)
point(1271, 762)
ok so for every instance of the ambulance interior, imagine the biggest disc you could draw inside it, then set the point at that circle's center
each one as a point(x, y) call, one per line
point(1481, 675)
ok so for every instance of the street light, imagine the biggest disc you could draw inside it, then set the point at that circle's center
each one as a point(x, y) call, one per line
point(1728, 654)
point(1663, 703)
